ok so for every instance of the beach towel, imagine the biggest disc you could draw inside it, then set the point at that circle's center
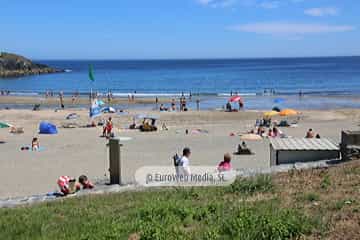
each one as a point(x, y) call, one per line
point(16, 130)
point(198, 131)
point(28, 148)
point(70, 125)
point(72, 116)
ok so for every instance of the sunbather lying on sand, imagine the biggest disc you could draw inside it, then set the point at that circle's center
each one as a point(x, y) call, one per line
point(16, 130)
point(68, 185)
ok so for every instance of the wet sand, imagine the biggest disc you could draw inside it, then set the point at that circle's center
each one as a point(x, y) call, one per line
point(68, 100)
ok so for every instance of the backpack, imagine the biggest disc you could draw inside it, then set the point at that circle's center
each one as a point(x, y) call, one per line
point(177, 160)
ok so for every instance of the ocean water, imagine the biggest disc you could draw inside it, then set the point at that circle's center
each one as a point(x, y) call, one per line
point(213, 80)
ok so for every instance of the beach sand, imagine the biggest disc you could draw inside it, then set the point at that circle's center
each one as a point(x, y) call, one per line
point(82, 151)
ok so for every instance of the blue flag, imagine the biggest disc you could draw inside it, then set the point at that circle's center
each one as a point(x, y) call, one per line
point(95, 109)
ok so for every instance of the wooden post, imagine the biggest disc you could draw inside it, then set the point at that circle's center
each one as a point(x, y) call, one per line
point(115, 161)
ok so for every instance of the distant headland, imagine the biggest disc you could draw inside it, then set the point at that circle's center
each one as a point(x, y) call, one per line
point(12, 65)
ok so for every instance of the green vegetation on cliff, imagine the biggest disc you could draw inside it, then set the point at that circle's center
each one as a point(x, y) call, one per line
point(12, 65)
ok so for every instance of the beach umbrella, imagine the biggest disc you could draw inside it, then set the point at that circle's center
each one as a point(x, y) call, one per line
point(234, 99)
point(279, 100)
point(108, 110)
point(270, 114)
point(101, 102)
point(288, 112)
point(5, 125)
point(250, 137)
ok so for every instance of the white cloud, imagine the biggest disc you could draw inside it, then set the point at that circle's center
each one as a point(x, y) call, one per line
point(277, 28)
point(217, 3)
point(270, 5)
point(205, 2)
point(321, 12)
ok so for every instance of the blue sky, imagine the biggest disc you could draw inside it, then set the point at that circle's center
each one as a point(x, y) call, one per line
point(128, 29)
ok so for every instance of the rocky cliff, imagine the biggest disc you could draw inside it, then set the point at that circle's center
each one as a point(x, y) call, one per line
point(12, 65)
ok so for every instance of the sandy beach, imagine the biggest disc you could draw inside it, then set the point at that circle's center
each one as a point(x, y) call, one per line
point(82, 151)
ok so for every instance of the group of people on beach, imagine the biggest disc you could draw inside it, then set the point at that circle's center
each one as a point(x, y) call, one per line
point(4, 92)
point(182, 105)
point(68, 185)
point(310, 134)
point(229, 108)
point(272, 132)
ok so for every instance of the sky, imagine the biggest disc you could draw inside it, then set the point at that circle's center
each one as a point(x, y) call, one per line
point(171, 29)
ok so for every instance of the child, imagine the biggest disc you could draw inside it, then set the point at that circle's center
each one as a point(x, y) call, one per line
point(108, 128)
point(225, 165)
point(35, 144)
point(86, 184)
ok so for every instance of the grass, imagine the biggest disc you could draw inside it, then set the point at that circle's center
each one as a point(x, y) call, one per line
point(310, 197)
point(263, 207)
point(261, 183)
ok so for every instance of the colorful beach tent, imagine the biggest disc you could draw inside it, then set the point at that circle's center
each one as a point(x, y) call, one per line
point(234, 99)
point(5, 125)
point(270, 114)
point(47, 128)
point(288, 112)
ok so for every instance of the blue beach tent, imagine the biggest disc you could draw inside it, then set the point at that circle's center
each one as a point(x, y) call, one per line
point(47, 128)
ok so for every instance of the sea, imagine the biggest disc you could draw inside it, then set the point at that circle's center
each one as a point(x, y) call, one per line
point(325, 82)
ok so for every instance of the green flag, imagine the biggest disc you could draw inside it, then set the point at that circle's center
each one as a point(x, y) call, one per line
point(91, 73)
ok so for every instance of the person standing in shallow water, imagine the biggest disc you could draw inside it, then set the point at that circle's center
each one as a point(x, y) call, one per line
point(173, 105)
point(241, 104)
point(61, 97)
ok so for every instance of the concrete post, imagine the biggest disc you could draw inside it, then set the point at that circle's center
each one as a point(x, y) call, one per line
point(115, 161)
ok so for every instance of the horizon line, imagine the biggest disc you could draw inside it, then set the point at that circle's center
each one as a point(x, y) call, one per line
point(189, 59)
